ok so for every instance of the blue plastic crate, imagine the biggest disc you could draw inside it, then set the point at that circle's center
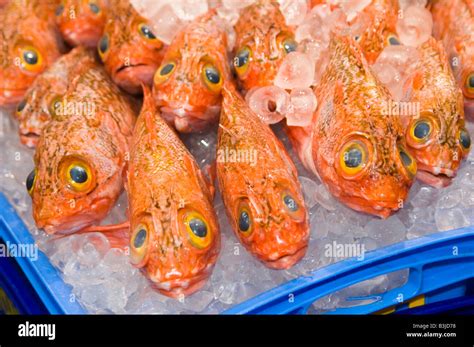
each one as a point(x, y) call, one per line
point(441, 267)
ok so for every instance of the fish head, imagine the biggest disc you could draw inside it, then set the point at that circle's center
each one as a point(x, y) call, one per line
point(176, 245)
point(369, 171)
point(439, 141)
point(263, 41)
point(81, 22)
point(130, 51)
point(26, 51)
point(76, 180)
point(188, 84)
point(272, 225)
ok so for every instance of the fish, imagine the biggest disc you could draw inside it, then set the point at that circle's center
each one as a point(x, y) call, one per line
point(259, 186)
point(353, 144)
point(262, 42)
point(128, 48)
point(436, 134)
point(41, 99)
point(29, 44)
point(81, 23)
point(188, 84)
point(175, 235)
point(453, 24)
point(380, 28)
point(81, 156)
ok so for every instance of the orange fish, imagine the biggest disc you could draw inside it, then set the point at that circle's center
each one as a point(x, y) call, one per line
point(259, 186)
point(263, 40)
point(29, 43)
point(381, 30)
point(81, 154)
point(129, 49)
point(436, 135)
point(39, 104)
point(453, 22)
point(356, 149)
point(82, 22)
point(175, 235)
point(188, 84)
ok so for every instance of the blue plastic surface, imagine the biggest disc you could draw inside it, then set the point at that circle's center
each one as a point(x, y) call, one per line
point(440, 263)
point(51, 289)
point(435, 261)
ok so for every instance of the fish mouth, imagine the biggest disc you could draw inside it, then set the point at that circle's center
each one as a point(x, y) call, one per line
point(435, 176)
point(188, 120)
point(177, 288)
point(29, 139)
point(286, 261)
point(130, 76)
point(382, 209)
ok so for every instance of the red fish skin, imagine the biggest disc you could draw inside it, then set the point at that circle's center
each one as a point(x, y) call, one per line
point(177, 261)
point(262, 29)
point(351, 112)
point(131, 58)
point(186, 100)
point(441, 108)
point(26, 26)
point(79, 24)
point(49, 87)
point(92, 133)
point(277, 236)
point(453, 24)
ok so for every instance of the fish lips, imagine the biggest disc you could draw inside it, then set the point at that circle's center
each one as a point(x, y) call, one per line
point(287, 260)
point(188, 119)
point(130, 77)
point(437, 177)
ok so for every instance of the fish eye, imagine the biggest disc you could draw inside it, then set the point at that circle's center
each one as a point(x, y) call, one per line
point(289, 45)
point(197, 229)
point(421, 130)
point(146, 32)
point(94, 7)
point(103, 46)
point(290, 203)
point(163, 73)
point(470, 83)
point(31, 59)
point(55, 107)
point(30, 181)
point(353, 158)
point(77, 174)
point(392, 40)
point(245, 220)
point(465, 139)
point(21, 106)
point(242, 60)
point(138, 244)
point(59, 10)
point(212, 78)
point(408, 162)
point(357, 38)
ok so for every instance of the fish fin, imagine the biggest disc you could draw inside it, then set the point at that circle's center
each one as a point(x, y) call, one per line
point(211, 178)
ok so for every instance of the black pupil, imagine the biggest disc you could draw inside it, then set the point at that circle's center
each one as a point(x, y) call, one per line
point(406, 159)
point(394, 41)
point(166, 69)
point(198, 227)
point(244, 221)
point(140, 238)
point(30, 179)
point(465, 139)
point(471, 81)
point(242, 58)
point(422, 130)
point(213, 75)
point(94, 8)
point(21, 106)
point(290, 203)
point(59, 10)
point(78, 174)
point(147, 32)
point(104, 44)
point(290, 46)
point(353, 157)
point(30, 57)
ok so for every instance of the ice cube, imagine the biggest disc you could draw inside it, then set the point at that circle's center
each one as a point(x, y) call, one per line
point(309, 190)
point(269, 103)
point(190, 9)
point(296, 71)
point(325, 198)
point(415, 26)
point(448, 219)
point(450, 199)
point(386, 232)
point(303, 102)
point(294, 11)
